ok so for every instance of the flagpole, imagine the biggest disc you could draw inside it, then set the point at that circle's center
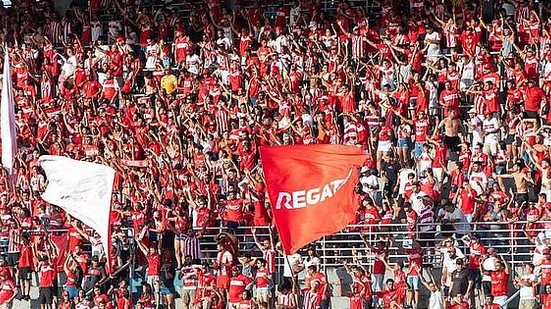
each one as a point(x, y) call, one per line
point(294, 279)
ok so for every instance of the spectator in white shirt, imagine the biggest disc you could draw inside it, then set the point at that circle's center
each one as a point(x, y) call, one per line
point(527, 285)
point(491, 129)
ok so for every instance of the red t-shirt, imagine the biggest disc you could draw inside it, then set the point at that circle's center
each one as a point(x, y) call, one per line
point(237, 287)
point(7, 289)
point(378, 265)
point(545, 300)
point(154, 264)
point(463, 305)
point(46, 274)
point(500, 283)
point(25, 257)
point(234, 210)
point(545, 268)
point(534, 96)
point(476, 251)
point(415, 257)
point(388, 297)
point(467, 203)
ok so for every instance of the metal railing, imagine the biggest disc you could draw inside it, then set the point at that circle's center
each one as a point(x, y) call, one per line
point(508, 239)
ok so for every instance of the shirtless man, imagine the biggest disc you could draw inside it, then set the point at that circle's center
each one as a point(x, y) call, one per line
point(522, 179)
point(452, 128)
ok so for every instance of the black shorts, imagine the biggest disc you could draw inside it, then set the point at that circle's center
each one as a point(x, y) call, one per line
point(24, 273)
point(12, 258)
point(446, 291)
point(476, 277)
point(510, 139)
point(452, 142)
point(532, 115)
point(522, 197)
point(45, 295)
point(487, 287)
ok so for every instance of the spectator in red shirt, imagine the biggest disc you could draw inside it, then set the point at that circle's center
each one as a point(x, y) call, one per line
point(24, 266)
point(323, 292)
point(534, 100)
point(238, 284)
point(500, 283)
point(8, 291)
point(153, 257)
point(489, 303)
point(47, 274)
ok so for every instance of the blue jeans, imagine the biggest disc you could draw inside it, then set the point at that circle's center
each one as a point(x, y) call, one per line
point(419, 149)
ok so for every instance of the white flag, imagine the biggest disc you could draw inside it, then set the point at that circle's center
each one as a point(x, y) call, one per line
point(7, 118)
point(83, 190)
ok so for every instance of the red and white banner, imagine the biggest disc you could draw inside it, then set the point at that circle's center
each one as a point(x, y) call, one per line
point(311, 190)
point(135, 163)
point(7, 118)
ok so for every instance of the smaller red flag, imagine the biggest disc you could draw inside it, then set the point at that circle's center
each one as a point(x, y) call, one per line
point(311, 190)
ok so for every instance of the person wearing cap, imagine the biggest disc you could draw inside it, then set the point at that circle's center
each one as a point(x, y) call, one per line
point(8, 291)
point(461, 282)
point(238, 284)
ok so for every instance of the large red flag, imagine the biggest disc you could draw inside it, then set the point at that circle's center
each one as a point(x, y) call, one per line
point(311, 190)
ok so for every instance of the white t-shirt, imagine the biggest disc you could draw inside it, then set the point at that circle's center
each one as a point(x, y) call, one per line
point(368, 183)
point(436, 301)
point(433, 49)
point(417, 203)
point(314, 261)
point(475, 179)
point(115, 28)
point(490, 125)
point(294, 260)
point(403, 179)
point(477, 124)
point(527, 292)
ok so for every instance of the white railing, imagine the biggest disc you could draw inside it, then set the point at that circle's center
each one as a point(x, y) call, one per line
point(509, 240)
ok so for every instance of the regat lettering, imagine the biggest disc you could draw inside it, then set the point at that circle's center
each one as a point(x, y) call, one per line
point(311, 197)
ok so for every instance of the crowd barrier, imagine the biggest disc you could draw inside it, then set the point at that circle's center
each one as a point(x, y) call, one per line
point(509, 239)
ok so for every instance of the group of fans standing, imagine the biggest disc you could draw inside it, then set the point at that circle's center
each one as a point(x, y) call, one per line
point(450, 99)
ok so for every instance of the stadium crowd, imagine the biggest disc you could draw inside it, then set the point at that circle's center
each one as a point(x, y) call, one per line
point(450, 100)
